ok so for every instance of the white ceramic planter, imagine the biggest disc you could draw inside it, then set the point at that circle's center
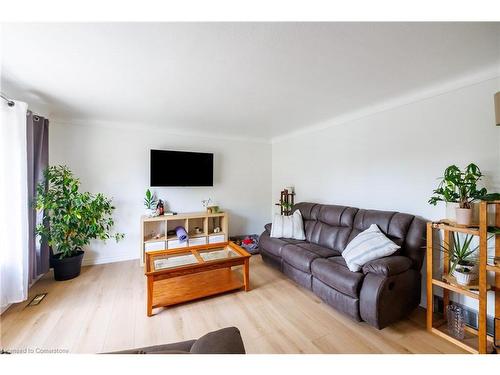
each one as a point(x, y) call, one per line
point(450, 211)
point(464, 216)
point(466, 278)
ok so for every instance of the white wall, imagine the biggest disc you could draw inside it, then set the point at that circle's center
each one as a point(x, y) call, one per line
point(391, 160)
point(114, 159)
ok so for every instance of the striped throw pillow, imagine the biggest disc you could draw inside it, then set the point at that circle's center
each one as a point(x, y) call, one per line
point(368, 245)
point(288, 226)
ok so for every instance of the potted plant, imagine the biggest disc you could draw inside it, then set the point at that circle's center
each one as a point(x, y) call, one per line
point(460, 187)
point(150, 203)
point(286, 206)
point(71, 219)
point(462, 259)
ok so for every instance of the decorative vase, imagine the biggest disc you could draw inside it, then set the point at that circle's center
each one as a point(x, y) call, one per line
point(450, 211)
point(455, 317)
point(464, 216)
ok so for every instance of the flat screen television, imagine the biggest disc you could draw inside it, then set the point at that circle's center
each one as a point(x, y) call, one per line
point(180, 168)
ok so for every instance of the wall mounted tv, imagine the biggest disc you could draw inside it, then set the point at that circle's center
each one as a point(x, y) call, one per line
point(180, 168)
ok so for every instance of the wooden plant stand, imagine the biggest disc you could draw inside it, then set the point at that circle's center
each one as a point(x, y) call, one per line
point(288, 198)
point(475, 341)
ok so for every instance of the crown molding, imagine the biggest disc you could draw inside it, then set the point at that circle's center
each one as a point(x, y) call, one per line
point(490, 73)
point(154, 127)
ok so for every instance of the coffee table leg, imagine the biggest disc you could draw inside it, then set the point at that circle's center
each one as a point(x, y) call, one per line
point(246, 275)
point(150, 297)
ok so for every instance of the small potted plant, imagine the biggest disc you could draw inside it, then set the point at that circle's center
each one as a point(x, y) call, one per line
point(150, 203)
point(71, 219)
point(462, 259)
point(286, 206)
point(460, 187)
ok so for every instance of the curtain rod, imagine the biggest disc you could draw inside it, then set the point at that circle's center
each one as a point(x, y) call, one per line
point(10, 102)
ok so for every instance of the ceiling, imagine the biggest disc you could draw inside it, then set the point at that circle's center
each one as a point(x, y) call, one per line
point(255, 80)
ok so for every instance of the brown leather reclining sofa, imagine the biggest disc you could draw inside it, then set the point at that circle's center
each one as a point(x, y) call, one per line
point(384, 291)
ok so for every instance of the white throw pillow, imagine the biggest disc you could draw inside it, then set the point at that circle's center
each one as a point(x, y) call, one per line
point(288, 226)
point(368, 245)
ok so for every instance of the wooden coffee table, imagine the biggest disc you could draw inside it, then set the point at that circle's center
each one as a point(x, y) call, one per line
point(180, 275)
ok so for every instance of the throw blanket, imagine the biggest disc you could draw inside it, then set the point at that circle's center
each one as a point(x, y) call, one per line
point(181, 234)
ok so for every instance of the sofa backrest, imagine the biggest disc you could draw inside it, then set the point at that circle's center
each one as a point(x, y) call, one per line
point(335, 226)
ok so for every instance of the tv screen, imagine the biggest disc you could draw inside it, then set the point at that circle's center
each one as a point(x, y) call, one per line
point(179, 168)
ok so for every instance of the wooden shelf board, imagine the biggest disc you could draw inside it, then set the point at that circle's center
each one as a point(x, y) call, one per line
point(190, 235)
point(191, 287)
point(472, 287)
point(493, 268)
point(468, 343)
point(182, 216)
point(151, 239)
point(492, 202)
point(468, 230)
point(196, 235)
point(455, 288)
point(172, 237)
point(216, 234)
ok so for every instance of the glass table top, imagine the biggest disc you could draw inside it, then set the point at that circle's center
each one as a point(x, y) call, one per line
point(215, 254)
point(164, 261)
point(172, 261)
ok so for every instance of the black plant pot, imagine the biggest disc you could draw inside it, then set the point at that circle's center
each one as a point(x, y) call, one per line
point(67, 268)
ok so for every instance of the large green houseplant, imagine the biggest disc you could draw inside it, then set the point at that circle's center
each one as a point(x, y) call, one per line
point(71, 219)
point(460, 187)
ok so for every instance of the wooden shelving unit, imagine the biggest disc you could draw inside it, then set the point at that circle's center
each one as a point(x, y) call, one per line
point(475, 341)
point(288, 198)
point(154, 230)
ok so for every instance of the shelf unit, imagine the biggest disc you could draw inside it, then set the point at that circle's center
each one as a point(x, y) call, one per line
point(288, 198)
point(476, 341)
point(154, 231)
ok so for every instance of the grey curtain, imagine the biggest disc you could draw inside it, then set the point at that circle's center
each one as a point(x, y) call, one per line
point(38, 159)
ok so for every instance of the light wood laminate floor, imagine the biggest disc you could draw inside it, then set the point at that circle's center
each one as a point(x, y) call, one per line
point(104, 309)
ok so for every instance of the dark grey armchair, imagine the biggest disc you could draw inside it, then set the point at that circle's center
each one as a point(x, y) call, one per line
point(224, 341)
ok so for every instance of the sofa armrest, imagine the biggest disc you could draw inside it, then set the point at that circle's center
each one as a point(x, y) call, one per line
point(388, 266)
point(224, 341)
point(267, 227)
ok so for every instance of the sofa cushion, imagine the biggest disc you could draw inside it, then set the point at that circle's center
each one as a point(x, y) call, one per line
point(323, 252)
point(272, 245)
point(301, 255)
point(394, 225)
point(293, 241)
point(339, 260)
point(298, 257)
point(341, 302)
point(332, 273)
point(300, 277)
point(327, 225)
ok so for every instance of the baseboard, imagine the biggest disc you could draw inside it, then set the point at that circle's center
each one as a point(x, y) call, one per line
point(91, 261)
point(5, 308)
